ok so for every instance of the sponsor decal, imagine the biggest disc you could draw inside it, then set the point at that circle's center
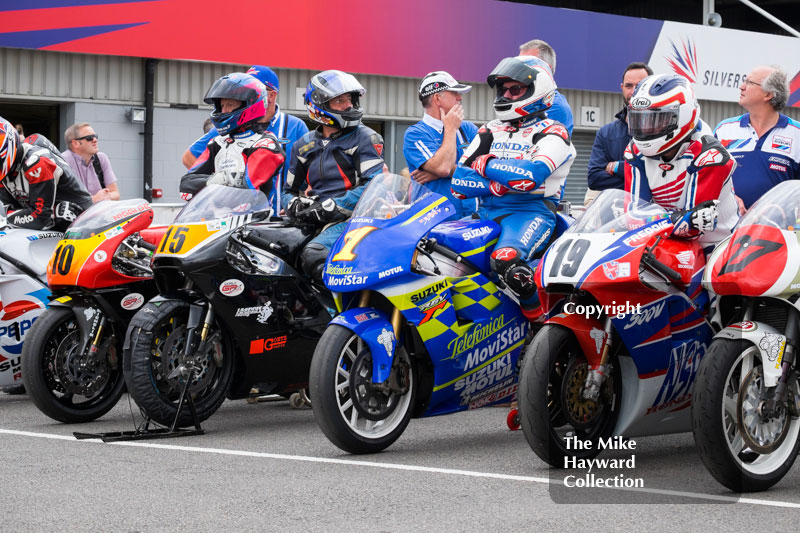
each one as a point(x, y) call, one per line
point(640, 102)
point(428, 291)
point(496, 375)
point(533, 226)
point(795, 286)
point(646, 314)
point(477, 334)
point(430, 308)
point(495, 394)
point(113, 232)
point(338, 271)
point(527, 132)
point(12, 365)
point(48, 235)
point(666, 167)
point(710, 157)
point(100, 256)
point(599, 336)
point(231, 287)
point(259, 346)
point(646, 232)
point(430, 215)
point(23, 220)
point(472, 184)
point(263, 312)
point(614, 269)
point(514, 169)
point(132, 211)
point(16, 330)
point(507, 337)
point(744, 326)
point(389, 272)
point(504, 254)
point(219, 224)
point(505, 145)
point(783, 144)
point(386, 338)
point(362, 220)
point(775, 166)
point(677, 385)
point(132, 301)
point(773, 344)
point(363, 317)
point(348, 279)
point(475, 233)
point(685, 259)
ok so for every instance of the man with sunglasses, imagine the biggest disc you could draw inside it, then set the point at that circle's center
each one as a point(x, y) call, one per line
point(517, 166)
point(764, 142)
point(91, 166)
point(433, 146)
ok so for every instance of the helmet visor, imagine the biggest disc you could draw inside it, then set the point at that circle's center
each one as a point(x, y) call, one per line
point(225, 88)
point(514, 69)
point(330, 84)
point(648, 124)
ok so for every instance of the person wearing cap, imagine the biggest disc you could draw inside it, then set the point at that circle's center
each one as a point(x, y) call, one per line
point(433, 146)
point(286, 128)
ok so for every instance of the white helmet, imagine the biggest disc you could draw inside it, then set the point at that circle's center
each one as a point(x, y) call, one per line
point(663, 111)
point(527, 70)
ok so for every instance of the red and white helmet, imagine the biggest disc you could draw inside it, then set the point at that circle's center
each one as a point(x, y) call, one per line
point(663, 111)
point(10, 144)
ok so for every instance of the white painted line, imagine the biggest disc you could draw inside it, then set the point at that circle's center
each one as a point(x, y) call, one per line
point(395, 466)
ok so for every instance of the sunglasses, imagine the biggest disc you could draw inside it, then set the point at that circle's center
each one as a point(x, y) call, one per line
point(514, 91)
point(89, 138)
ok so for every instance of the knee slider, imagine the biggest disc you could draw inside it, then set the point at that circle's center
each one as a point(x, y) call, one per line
point(312, 260)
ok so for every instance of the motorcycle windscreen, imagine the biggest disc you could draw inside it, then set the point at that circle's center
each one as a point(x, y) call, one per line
point(379, 241)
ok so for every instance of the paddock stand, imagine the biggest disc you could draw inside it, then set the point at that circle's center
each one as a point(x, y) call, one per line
point(145, 432)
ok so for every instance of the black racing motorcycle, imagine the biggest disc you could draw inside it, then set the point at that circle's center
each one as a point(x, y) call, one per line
point(234, 311)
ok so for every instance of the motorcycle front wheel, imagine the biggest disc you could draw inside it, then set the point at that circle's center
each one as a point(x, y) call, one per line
point(743, 449)
point(354, 414)
point(551, 407)
point(64, 383)
point(157, 337)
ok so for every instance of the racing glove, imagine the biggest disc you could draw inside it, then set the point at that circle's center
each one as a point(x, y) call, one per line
point(299, 203)
point(498, 189)
point(701, 219)
point(480, 162)
point(321, 213)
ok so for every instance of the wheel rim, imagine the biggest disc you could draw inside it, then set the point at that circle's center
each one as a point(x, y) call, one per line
point(744, 378)
point(168, 354)
point(70, 383)
point(377, 414)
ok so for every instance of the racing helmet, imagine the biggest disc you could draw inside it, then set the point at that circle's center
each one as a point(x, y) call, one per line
point(10, 145)
point(237, 86)
point(326, 86)
point(663, 111)
point(529, 71)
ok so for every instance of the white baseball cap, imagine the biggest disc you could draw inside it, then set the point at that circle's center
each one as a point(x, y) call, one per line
point(439, 81)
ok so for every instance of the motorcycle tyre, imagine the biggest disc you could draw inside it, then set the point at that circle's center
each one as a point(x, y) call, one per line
point(708, 425)
point(33, 353)
point(323, 393)
point(139, 372)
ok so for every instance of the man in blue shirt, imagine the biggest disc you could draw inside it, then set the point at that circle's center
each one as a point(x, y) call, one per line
point(764, 142)
point(560, 110)
point(433, 146)
point(285, 127)
point(606, 164)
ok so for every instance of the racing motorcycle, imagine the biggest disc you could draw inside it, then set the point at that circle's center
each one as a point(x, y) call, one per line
point(234, 312)
point(99, 275)
point(23, 291)
point(423, 329)
point(625, 331)
point(746, 408)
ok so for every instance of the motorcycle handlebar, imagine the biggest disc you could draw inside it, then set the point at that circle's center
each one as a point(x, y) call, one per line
point(257, 241)
point(649, 260)
point(146, 245)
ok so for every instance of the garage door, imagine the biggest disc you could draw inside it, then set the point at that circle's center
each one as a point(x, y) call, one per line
point(576, 181)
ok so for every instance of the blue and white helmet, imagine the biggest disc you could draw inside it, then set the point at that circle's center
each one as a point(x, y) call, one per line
point(527, 70)
point(326, 86)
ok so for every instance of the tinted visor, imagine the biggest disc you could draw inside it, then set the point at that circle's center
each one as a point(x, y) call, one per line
point(330, 84)
point(514, 69)
point(648, 124)
point(226, 88)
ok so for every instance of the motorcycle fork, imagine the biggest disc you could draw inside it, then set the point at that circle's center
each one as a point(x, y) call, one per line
point(778, 396)
point(394, 382)
point(596, 376)
point(196, 321)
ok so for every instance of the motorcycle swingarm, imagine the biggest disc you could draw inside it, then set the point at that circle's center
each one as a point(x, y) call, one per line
point(769, 341)
point(375, 328)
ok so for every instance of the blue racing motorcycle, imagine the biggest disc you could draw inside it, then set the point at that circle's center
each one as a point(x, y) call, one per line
point(423, 328)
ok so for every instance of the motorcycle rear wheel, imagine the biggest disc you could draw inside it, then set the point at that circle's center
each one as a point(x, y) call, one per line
point(729, 369)
point(157, 335)
point(48, 357)
point(550, 359)
point(354, 415)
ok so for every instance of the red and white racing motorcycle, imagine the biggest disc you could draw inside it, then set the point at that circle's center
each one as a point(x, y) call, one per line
point(746, 407)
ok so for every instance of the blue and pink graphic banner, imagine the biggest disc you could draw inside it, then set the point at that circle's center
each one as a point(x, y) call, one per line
point(410, 38)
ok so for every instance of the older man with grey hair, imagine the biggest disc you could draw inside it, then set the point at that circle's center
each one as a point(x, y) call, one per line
point(560, 109)
point(764, 142)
